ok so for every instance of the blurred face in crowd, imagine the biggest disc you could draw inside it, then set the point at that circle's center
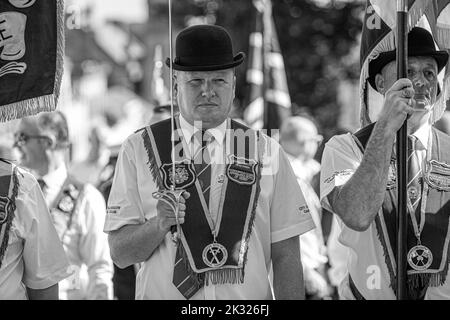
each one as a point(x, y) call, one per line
point(32, 144)
point(205, 96)
point(299, 137)
point(423, 72)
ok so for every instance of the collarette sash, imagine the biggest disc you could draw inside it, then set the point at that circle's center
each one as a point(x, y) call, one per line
point(436, 232)
point(237, 208)
point(9, 187)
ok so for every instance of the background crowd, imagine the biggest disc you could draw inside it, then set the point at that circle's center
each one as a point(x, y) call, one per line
point(115, 83)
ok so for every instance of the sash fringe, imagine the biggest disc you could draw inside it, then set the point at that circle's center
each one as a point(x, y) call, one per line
point(60, 49)
point(387, 260)
point(225, 276)
point(151, 159)
point(11, 215)
point(261, 150)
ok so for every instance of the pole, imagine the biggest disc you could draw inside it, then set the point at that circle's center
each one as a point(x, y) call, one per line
point(402, 138)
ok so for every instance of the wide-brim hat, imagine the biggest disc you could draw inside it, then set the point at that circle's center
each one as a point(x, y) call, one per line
point(420, 43)
point(204, 48)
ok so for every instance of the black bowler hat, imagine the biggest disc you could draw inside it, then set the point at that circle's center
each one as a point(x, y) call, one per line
point(420, 43)
point(204, 48)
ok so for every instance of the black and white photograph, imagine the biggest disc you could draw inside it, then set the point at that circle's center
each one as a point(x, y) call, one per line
point(238, 151)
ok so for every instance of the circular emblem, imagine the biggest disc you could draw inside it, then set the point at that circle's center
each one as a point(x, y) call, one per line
point(5, 204)
point(3, 217)
point(413, 193)
point(420, 258)
point(215, 255)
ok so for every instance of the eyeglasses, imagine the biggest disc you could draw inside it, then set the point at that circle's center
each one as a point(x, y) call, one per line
point(21, 139)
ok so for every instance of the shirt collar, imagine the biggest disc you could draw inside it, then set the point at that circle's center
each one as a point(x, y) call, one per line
point(422, 134)
point(56, 178)
point(189, 130)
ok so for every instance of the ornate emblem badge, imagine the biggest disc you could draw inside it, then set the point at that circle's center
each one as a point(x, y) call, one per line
point(420, 258)
point(184, 175)
point(241, 170)
point(215, 255)
point(413, 193)
point(5, 206)
point(438, 175)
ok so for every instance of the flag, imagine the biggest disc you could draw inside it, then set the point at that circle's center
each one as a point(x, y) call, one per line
point(31, 56)
point(379, 28)
point(269, 100)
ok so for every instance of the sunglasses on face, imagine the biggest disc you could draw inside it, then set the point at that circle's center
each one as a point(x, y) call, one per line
point(21, 139)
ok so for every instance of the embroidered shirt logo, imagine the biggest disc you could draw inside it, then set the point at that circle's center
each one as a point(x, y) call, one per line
point(184, 175)
point(241, 170)
point(342, 173)
point(304, 209)
point(113, 210)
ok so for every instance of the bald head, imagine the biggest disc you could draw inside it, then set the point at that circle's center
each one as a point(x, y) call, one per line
point(298, 128)
point(299, 137)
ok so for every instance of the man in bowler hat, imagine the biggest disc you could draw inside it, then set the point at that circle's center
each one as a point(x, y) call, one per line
point(241, 211)
point(358, 182)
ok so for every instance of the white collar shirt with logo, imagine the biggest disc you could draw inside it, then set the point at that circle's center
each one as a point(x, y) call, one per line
point(366, 262)
point(312, 246)
point(280, 215)
point(85, 243)
point(34, 257)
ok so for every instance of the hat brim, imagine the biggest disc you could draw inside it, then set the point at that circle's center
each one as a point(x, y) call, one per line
point(377, 65)
point(237, 60)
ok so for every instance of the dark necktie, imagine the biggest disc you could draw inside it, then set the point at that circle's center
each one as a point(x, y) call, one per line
point(187, 283)
point(414, 173)
point(202, 163)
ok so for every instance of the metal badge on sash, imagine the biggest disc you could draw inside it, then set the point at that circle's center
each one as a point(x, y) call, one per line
point(437, 175)
point(5, 204)
point(215, 255)
point(241, 170)
point(420, 258)
point(184, 175)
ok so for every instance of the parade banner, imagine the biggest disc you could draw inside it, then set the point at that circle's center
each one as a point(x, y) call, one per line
point(269, 102)
point(31, 56)
point(378, 36)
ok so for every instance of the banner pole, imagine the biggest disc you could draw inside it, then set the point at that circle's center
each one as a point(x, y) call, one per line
point(402, 138)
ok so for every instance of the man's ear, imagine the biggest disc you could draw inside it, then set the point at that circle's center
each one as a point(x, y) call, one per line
point(380, 83)
point(50, 143)
point(175, 85)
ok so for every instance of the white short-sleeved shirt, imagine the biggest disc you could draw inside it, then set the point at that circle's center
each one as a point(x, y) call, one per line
point(281, 213)
point(35, 257)
point(85, 243)
point(366, 262)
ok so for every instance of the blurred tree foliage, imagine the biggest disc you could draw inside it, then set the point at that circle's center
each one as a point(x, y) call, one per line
point(318, 39)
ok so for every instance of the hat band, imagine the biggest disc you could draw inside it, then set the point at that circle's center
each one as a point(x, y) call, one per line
point(209, 60)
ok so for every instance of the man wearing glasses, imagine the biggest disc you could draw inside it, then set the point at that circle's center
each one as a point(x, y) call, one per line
point(300, 139)
point(32, 260)
point(77, 210)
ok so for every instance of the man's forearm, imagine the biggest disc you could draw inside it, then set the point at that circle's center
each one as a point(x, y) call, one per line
point(287, 270)
point(359, 200)
point(135, 243)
